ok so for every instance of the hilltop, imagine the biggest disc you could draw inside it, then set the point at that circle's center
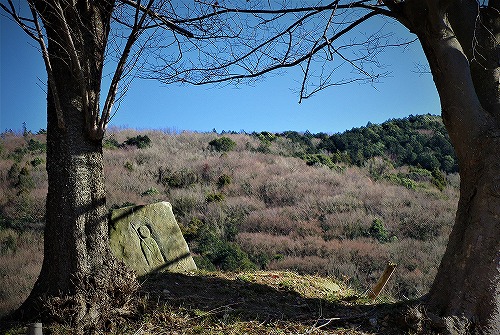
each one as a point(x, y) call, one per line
point(340, 206)
point(255, 303)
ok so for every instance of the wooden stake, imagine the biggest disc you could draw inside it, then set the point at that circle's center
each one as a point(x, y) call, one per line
point(375, 291)
point(35, 329)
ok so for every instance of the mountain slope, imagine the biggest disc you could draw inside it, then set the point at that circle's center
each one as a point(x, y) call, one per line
point(270, 201)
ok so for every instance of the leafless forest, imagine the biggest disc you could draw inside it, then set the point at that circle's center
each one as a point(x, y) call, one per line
point(252, 206)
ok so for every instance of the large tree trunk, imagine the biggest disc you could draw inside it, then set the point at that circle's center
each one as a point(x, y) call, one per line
point(466, 289)
point(79, 275)
point(461, 45)
point(80, 284)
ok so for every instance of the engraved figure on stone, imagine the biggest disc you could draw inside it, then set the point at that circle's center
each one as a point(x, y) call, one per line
point(150, 248)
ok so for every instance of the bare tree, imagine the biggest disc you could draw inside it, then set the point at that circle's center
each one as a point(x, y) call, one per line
point(460, 39)
point(81, 284)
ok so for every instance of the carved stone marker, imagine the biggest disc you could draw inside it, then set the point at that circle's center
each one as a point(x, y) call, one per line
point(148, 239)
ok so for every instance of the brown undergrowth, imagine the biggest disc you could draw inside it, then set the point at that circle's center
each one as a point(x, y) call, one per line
point(267, 208)
point(263, 302)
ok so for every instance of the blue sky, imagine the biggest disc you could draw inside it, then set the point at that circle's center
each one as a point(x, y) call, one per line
point(271, 104)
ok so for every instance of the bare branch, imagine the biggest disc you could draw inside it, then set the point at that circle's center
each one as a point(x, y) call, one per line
point(203, 43)
point(120, 67)
point(328, 44)
point(72, 53)
point(169, 24)
point(11, 10)
point(293, 63)
point(48, 67)
point(224, 10)
point(36, 33)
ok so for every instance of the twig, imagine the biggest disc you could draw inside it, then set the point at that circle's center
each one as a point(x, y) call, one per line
point(320, 323)
point(214, 311)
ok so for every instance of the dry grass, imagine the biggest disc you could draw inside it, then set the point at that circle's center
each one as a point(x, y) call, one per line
point(21, 255)
point(263, 302)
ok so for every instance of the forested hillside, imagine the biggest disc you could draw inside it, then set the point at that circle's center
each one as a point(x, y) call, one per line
point(342, 205)
point(419, 140)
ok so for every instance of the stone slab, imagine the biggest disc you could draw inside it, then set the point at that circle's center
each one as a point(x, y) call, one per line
point(148, 239)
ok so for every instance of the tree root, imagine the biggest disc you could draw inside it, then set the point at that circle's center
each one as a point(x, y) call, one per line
point(100, 302)
point(420, 319)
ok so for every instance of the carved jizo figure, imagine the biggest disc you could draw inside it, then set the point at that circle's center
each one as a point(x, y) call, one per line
point(150, 248)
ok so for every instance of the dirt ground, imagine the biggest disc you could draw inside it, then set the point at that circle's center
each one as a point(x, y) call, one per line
point(276, 300)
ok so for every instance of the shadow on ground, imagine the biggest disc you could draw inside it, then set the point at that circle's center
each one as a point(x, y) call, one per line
point(250, 301)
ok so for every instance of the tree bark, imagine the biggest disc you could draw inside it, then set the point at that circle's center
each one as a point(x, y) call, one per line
point(80, 284)
point(465, 295)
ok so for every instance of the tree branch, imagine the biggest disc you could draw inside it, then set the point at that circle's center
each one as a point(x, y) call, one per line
point(75, 60)
point(356, 4)
point(299, 60)
point(35, 32)
point(120, 67)
point(48, 67)
point(169, 24)
point(328, 44)
point(11, 10)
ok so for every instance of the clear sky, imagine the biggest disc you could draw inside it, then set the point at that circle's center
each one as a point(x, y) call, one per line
point(271, 104)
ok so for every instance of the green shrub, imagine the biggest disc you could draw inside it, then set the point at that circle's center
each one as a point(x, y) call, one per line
point(208, 243)
point(223, 181)
point(177, 179)
point(224, 255)
point(203, 263)
point(316, 159)
point(438, 179)
point(13, 172)
point(35, 146)
point(419, 174)
point(230, 230)
point(37, 161)
point(18, 154)
point(266, 136)
point(400, 179)
point(223, 144)
point(192, 229)
point(321, 159)
point(264, 147)
point(378, 231)
point(428, 160)
point(262, 260)
point(214, 197)
point(408, 183)
point(449, 164)
point(110, 143)
point(230, 257)
point(150, 191)
point(140, 141)
point(24, 180)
